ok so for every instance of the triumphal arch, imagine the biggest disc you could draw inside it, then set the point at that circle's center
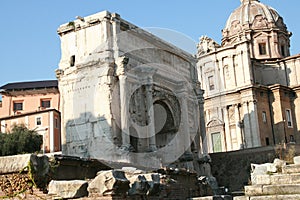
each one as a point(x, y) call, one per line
point(127, 95)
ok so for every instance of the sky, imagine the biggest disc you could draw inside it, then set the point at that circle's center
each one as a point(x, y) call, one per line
point(30, 45)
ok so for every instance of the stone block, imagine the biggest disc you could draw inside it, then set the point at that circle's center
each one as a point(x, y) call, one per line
point(261, 169)
point(222, 197)
point(297, 160)
point(260, 179)
point(280, 189)
point(202, 198)
point(262, 197)
point(111, 182)
point(140, 186)
point(281, 179)
point(215, 197)
point(289, 169)
point(295, 178)
point(68, 189)
point(276, 197)
point(279, 164)
point(139, 178)
point(241, 198)
point(38, 163)
point(155, 186)
point(253, 190)
point(12, 164)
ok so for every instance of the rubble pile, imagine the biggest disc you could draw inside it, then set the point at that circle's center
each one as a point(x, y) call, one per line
point(14, 184)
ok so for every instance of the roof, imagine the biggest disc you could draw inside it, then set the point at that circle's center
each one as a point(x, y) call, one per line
point(29, 113)
point(30, 85)
point(252, 14)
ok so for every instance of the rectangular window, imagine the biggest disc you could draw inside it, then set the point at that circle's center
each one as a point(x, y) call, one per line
point(289, 118)
point(261, 94)
point(292, 139)
point(72, 61)
point(264, 117)
point(216, 142)
point(18, 106)
point(211, 83)
point(46, 103)
point(262, 48)
point(282, 50)
point(38, 121)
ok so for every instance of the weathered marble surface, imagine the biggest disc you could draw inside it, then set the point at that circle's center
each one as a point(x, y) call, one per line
point(126, 95)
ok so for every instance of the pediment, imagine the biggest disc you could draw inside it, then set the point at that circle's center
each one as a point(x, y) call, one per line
point(214, 123)
point(260, 34)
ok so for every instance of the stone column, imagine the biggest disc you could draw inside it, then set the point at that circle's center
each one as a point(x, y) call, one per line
point(185, 122)
point(151, 125)
point(247, 126)
point(121, 63)
point(238, 127)
point(124, 101)
point(234, 70)
point(115, 21)
point(254, 124)
point(63, 132)
point(201, 124)
point(227, 130)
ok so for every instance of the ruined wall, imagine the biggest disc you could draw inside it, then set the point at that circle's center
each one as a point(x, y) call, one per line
point(232, 169)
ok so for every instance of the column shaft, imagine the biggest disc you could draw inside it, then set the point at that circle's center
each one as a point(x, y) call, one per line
point(124, 105)
point(185, 122)
point(151, 124)
point(227, 130)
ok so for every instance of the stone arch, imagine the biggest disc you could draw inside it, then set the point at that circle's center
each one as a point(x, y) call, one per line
point(165, 123)
point(214, 122)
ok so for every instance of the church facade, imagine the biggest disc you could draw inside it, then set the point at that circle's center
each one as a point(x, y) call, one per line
point(251, 81)
point(127, 95)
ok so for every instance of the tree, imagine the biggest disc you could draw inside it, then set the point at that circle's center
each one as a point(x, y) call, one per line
point(20, 140)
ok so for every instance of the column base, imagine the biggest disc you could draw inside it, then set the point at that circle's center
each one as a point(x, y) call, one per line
point(152, 148)
point(186, 157)
point(127, 148)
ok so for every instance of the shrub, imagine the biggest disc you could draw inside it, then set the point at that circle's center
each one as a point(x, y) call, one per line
point(20, 140)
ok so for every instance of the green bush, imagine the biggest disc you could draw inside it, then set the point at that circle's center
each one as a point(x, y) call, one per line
point(20, 140)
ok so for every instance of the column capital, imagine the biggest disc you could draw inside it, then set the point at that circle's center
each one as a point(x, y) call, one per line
point(121, 65)
point(225, 107)
point(59, 73)
point(252, 101)
point(235, 105)
point(245, 102)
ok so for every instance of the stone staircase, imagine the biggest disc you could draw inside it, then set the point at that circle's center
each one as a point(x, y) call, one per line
point(269, 181)
point(281, 185)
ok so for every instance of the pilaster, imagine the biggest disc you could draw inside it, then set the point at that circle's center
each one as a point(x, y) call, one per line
point(124, 102)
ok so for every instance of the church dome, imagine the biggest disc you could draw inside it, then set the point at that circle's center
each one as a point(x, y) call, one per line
point(252, 15)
